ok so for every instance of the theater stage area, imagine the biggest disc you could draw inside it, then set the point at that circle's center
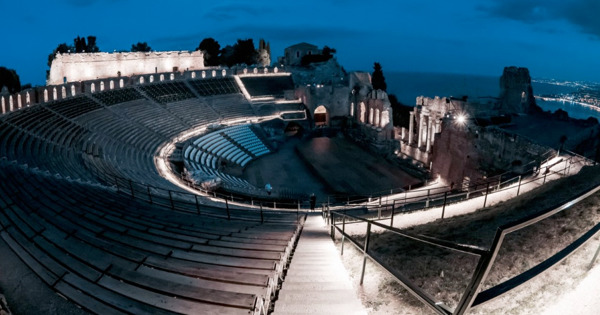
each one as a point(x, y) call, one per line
point(326, 166)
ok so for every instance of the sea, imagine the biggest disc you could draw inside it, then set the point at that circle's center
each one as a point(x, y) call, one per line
point(408, 85)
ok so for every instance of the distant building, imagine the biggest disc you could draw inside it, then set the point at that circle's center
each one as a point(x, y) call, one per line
point(293, 54)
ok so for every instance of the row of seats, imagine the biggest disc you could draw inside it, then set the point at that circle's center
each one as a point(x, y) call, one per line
point(112, 97)
point(237, 145)
point(111, 253)
point(215, 86)
point(167, 92)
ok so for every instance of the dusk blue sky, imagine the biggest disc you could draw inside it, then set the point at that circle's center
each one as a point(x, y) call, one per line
point(553, 38)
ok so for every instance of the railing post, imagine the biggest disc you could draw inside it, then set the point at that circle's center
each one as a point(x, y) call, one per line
point(343, 234)
point(197, 204)
point(427, 200)
point(331, 223)
point(227, 207)
point(366, 249)
point(262, 219)
point(392, 216)
point(171, 199)
point(487, 188)
point(444, 206)
point(545, 174)
point(499, 182)
point(131, 188)
point(519, 187)
point(149, 194)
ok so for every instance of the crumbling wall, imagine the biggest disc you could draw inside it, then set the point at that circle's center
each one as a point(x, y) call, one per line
point(92, 66)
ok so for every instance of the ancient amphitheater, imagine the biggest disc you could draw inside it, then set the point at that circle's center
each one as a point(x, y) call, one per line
point(94, 205)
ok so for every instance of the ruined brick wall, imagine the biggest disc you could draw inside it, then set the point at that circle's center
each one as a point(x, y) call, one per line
point(92, 66)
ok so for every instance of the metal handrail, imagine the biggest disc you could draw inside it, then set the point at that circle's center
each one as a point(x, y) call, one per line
point(487, 257)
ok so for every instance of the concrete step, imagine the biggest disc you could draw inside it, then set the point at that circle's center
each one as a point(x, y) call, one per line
point(320, 308)
point(314, 297)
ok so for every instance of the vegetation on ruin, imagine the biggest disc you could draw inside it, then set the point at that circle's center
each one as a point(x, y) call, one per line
point(80, 45)
point(242, 52)
point(9, 79)
point(377, 78)
point(141, 47)
point(325, 55)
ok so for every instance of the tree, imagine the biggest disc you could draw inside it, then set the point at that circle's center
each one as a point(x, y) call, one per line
point(9, 79)
point(142, 47)
point(80, 45)
point(244, 52)
point(211, 50)
point(61, 48)
point(377, 78)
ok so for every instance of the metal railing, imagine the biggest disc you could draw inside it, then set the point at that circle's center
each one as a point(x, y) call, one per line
point(382, 209)
point(472, 296)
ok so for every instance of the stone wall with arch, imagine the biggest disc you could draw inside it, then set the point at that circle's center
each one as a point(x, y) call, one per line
point(49, 93)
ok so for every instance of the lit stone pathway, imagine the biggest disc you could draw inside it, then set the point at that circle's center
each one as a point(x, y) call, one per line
point(317, 282)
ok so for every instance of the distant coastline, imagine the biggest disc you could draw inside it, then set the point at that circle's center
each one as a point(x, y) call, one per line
point(408, 85)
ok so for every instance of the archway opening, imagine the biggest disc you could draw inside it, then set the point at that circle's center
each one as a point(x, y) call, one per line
point(321, 116)
point(293, 129)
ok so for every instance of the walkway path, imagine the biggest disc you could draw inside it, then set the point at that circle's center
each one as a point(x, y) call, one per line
point(317, 282)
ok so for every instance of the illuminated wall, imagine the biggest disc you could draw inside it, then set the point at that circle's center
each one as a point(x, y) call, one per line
point(92, 66)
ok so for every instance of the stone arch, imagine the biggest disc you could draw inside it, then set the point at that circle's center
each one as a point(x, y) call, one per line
point(203, 74)
point(121, 83)
point(255, 71)
point(101, 85)
point(352, 109)
point(193, 74)
point(245, 70)
point(151, 79)
point(214, 73)
point(162, 77)
point(45, 95)
point(370, 121)
point(321, 116)
point(111, 84)
point(54, 94)
point(27, 99)
point(223, 72)
point(93, 87)
point(275, 70)
point(10, 103)
point(376, 117)
point(266, 70)
point(63, 92)
point(3, 104)
point(172, 76)
point(141, 80)
point(73, 90)
point(19, 102)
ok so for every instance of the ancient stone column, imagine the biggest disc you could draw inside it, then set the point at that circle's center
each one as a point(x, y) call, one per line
point(411, 128)
point(420, 137)
point(429, 134)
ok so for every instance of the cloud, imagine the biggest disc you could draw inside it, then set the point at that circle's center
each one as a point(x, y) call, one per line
point(295, 33)
point(581, 13)
point(231, 11)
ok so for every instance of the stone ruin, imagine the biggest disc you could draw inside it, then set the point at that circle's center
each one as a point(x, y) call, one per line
point(516, 93)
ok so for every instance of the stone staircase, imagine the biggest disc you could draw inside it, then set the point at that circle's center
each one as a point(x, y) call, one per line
point(317, 282)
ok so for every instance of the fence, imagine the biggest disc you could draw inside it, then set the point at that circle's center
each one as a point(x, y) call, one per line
point(442, 197)
point(178, 200)
point(472, 296)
